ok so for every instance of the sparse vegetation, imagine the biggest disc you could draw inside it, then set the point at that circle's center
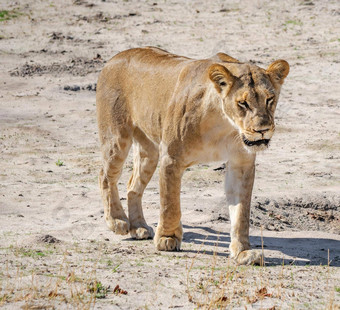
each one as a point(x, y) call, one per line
point(239, 286)
point(32, 253)
point(294, 22)
point(8, 14)
point(59, 163)
point(59, 283)
point(211, 281)
point(98, 289)
point(115, 269)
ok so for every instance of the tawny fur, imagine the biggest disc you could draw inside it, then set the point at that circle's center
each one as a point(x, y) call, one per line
point(181, 112)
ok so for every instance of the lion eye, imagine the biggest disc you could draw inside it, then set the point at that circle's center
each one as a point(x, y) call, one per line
point(270, 101)
point(243, 104)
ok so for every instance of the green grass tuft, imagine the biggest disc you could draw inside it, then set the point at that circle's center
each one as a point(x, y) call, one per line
point(293, 22)
point(59, 163)
point(98, 289)
point(7, 15)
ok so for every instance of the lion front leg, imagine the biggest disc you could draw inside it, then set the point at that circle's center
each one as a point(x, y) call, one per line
point(239, 184)
point(169, 231)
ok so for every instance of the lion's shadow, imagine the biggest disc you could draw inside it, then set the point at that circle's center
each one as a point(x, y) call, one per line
point(305, 251)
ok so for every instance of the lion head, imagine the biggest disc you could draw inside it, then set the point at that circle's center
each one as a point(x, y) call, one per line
point(249, 95)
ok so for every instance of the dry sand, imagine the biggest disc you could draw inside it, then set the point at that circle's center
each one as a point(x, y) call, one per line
point(50, 55)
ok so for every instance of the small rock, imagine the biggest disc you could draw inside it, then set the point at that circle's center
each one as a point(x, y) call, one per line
point(75, 88)
point(91, 87)
point(98, 57)
point(222, 218)
point(72, 88)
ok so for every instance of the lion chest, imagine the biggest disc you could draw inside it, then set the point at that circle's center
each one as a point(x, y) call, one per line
point(216, 144)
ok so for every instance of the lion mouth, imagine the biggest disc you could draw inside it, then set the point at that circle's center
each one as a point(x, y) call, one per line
point(257, 142)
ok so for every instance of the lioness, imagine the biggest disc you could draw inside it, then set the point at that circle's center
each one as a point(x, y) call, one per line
point(184, 111)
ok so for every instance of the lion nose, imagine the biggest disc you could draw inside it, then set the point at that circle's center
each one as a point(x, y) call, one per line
point(262, 130)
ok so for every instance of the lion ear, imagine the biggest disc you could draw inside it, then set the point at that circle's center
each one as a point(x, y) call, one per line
point(226, 58)
point(221, 77)
point(278, 70)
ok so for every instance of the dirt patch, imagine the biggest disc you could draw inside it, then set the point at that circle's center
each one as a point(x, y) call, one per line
point(84, 3)
point(103, 17)
point(75, 67)
point(318, 214)
point(47, 239)
point(89, 87)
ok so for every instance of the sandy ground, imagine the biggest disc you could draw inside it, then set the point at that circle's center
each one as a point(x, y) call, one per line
point(56, 252)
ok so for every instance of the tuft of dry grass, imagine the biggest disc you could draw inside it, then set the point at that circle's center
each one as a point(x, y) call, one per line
point(35, 283)
point(75, 276)
point(222, 284)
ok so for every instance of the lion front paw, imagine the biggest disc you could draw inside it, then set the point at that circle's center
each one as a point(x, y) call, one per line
point(250, 257)
point(168, 241)
point(168, 244)
point(118, 226)
point(242, 254)
point(142, 232)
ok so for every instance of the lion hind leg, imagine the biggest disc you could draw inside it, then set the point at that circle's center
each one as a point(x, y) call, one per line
point(145, 163)
point(169, 231)
point(114, 155)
